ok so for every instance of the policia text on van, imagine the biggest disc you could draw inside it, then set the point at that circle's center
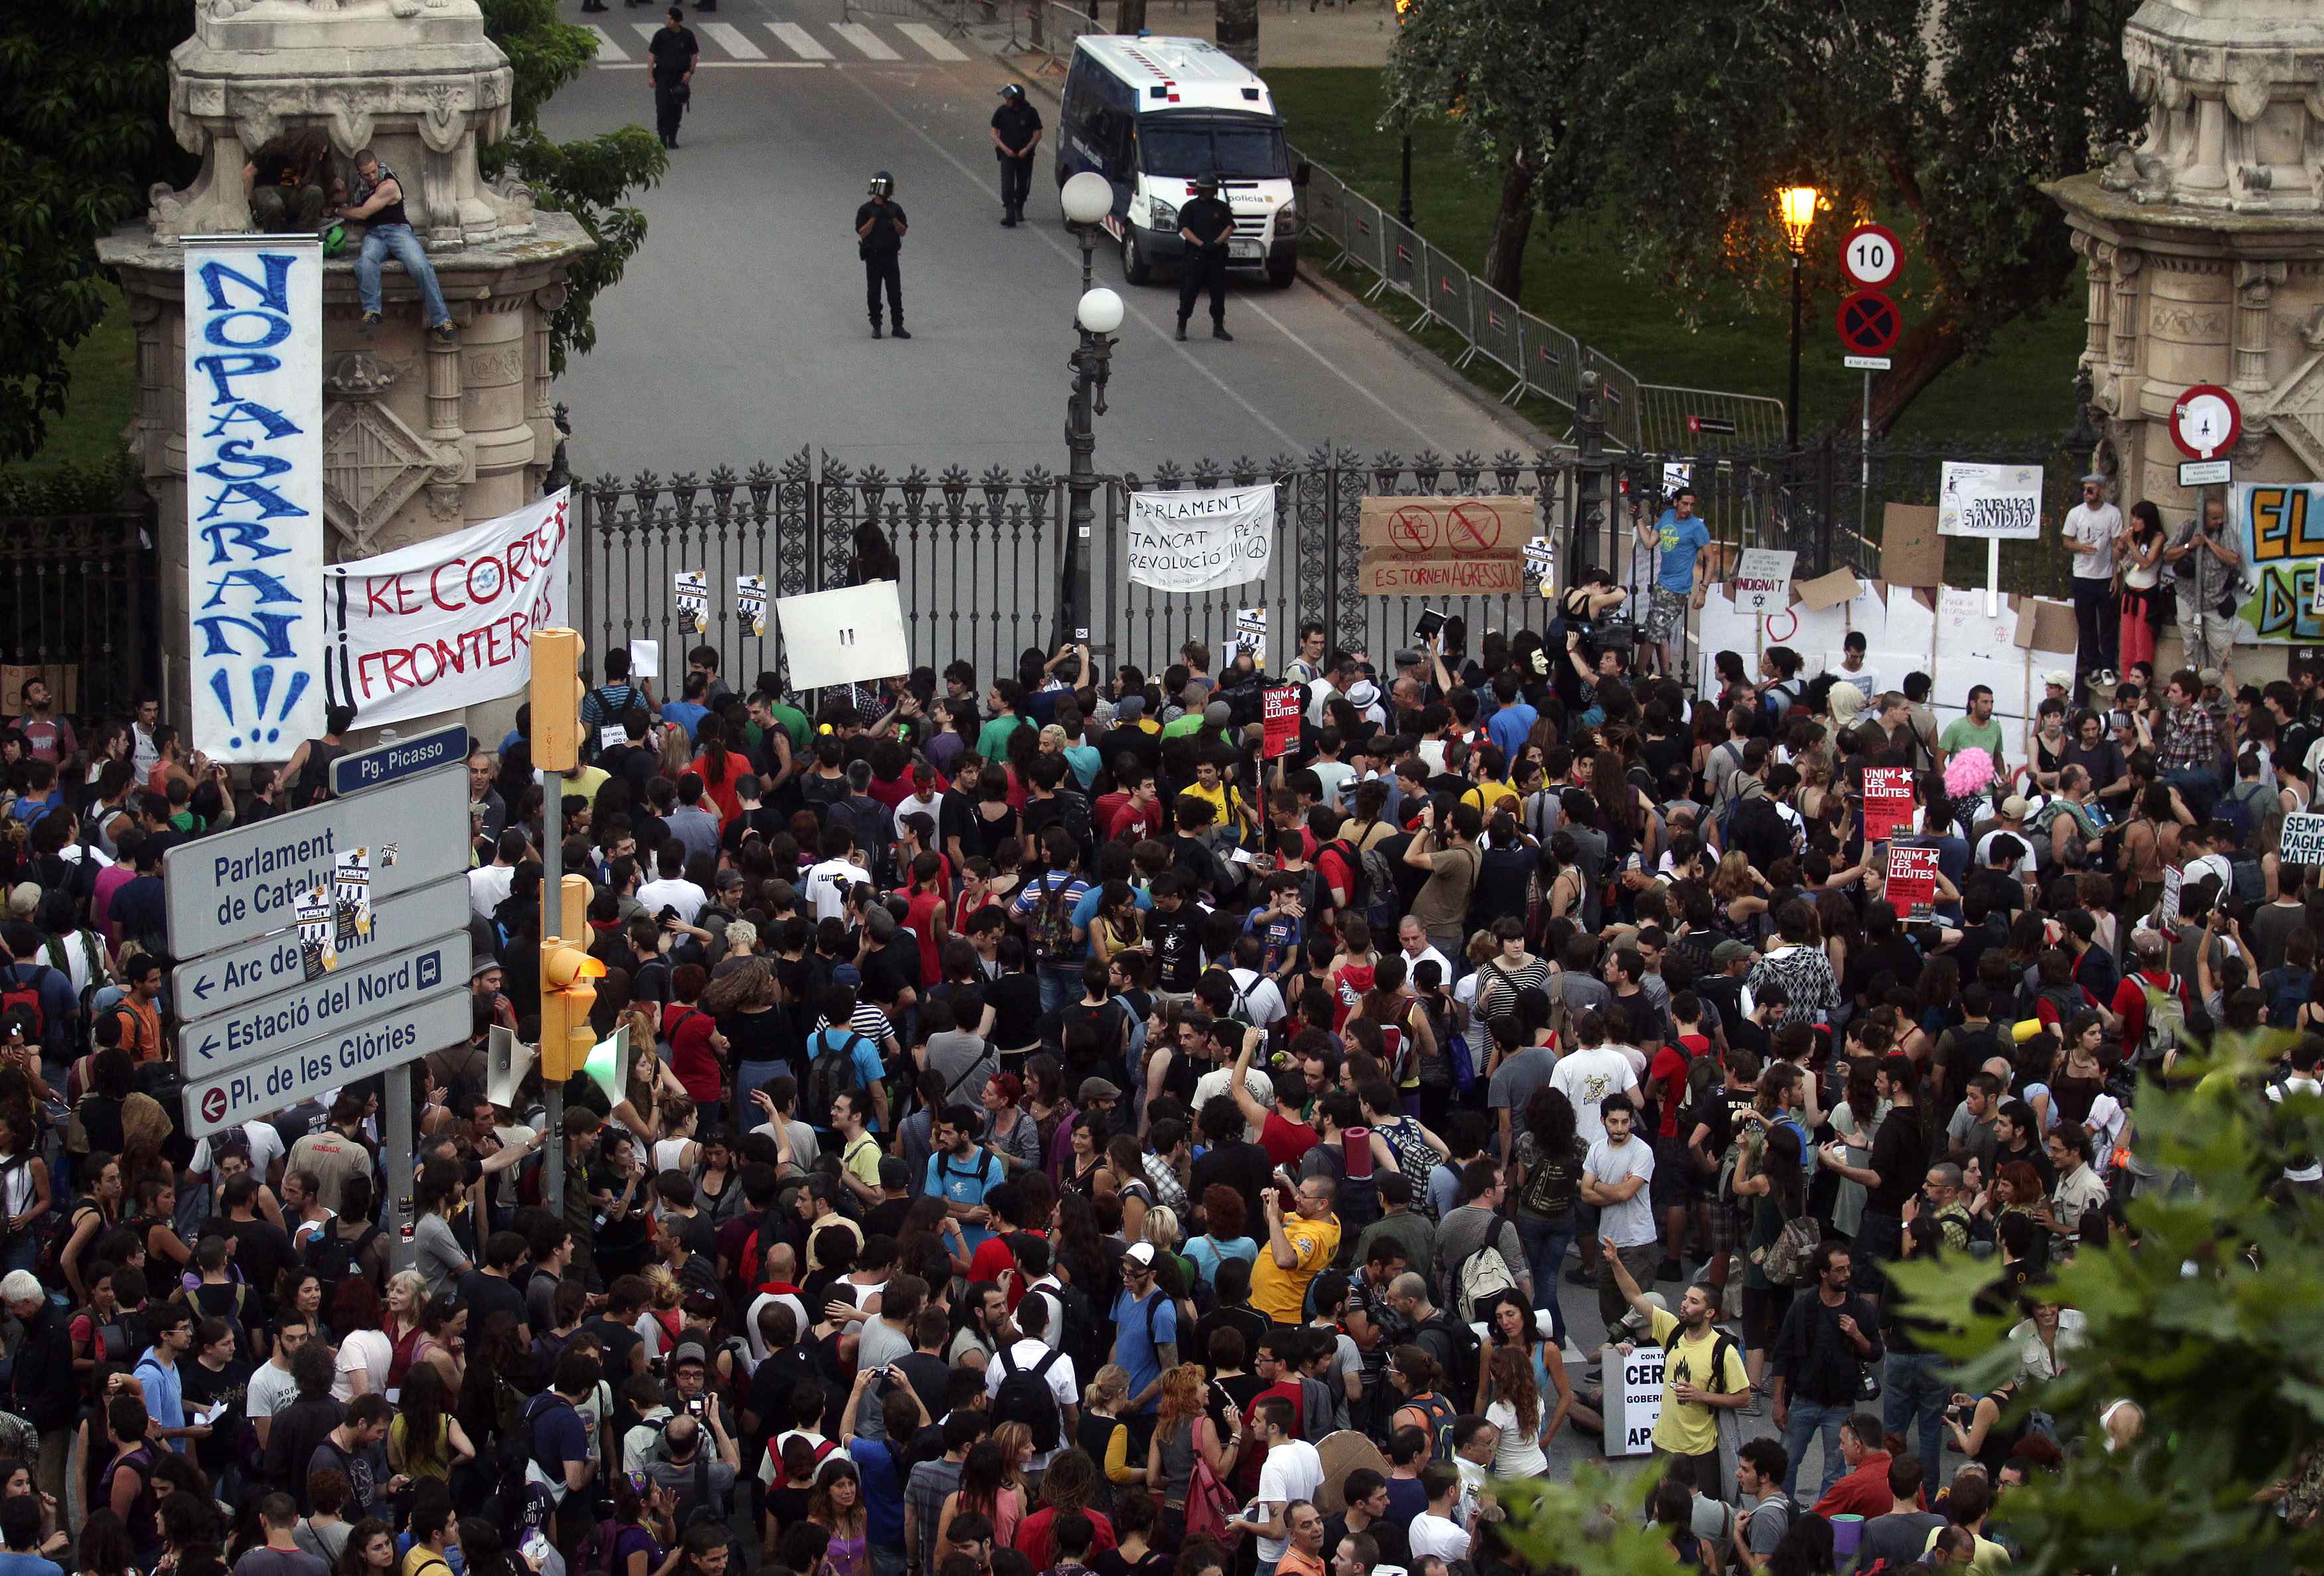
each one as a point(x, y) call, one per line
point(1154, 116)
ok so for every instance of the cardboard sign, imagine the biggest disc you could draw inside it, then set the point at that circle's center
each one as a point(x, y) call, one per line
point(1912, 553)
point(2045, 626)
point(1887, 801)
point(1389, 577)
point(2000, 501)
point(1633, 1383)
point(1828, 591)
point(1281, 720)
point(844, 636)
point(2175, 882)
point(1912, 882)
point(2303, 839)
point(1452, 546)
point(1763, 580)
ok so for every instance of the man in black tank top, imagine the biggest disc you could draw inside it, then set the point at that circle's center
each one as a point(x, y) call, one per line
point(308, 770)
point(379, 203)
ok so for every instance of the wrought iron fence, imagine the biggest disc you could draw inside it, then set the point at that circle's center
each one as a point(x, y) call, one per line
point(83, 589)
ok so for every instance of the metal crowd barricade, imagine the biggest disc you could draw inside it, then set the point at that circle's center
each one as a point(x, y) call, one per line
point(1326, 202)
point(1552, 360)
point(1495, 335)
point(1620, 387)
point(1447, 284)
point(1366, 239)
point(1707, 420)
point(1402, 257)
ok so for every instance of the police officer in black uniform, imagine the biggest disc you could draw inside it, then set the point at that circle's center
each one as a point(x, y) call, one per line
point(880, 226)
point(673, 50)
point(1204, 224)
point(1016, 133)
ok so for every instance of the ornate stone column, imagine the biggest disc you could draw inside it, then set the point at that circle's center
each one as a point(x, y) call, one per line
point(420, 437)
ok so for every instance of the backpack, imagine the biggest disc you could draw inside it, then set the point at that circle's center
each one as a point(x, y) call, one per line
point(333, 1258)
point(1209, 1503)
point(1721, 1344)
point(19, 994)
point(513, 1454)
point(1784, 1261)
point(2250, 878)
point(1550, 1190)
point(1768, 712)
point(1024, 1396)
point(1053, 918)
point(1441, 1415)
point(1463, 1066)
point(1483, 1273)
point(2287, 988)
point(2166, 1020)
point(833, 1072)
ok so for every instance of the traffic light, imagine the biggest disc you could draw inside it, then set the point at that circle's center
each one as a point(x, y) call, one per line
point(557, 690)
point(567, 995)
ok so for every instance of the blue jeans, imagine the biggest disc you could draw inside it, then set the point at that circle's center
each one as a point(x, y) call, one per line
point(750, 1075)
point(384, 240)
point(1913, 1385)
point(2198, 785)
point(1546, 1242)
point(1060, 983)
point(1804, 1421)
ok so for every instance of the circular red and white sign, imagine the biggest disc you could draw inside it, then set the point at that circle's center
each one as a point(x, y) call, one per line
point(2205, 421)
point(212, 1104)
point(1870, 256)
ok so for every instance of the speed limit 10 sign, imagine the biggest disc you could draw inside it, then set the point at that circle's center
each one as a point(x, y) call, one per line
point(1870, 256)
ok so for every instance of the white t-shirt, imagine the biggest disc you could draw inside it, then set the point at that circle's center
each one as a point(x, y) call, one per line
point(266, 1147)
point(1256, 1001)
point(370, 1350)
point(1585, 1077)
point(1631, 1223)
point(1024, 1355)
point(1429, 1534)
point(1427, 954)
point(759, 1348)
point(2098, 528)
point(1866, 679)
point(1215, 1082)
point(2024, 860)
point(488, 888)
point(828, 885)
point(674, 892)
point(271, 1389)
point(1292, 1471)
point(1519, 1454)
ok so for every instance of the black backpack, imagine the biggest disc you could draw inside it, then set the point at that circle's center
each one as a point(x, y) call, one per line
point(832, 1074)
point(1024, 1396)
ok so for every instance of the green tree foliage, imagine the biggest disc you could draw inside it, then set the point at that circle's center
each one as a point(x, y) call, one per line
point(2206, 1314)
point(84, 130)
point(1516, 78)
point(1939, 117)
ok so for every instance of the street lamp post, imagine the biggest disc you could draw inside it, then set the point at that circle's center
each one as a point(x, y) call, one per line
point(1797, 205)
point(1087, 199)
point(1404, 187)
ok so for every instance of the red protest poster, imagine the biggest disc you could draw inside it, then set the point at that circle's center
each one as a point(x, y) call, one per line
point(1282, 720)
point(1887, 801)
point(1912, 882)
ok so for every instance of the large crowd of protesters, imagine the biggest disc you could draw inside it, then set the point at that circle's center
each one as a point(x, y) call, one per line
point(1054, 1136)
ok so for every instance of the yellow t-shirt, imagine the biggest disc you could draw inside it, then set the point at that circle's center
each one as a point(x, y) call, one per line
point(1692, 1429)
point(419, 1559)
point(863, 1160)
point(1988, 1559)
point(1278, 1292)
point(1489, 795)
point(1220, 799)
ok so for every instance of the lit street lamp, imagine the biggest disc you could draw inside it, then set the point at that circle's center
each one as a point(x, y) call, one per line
point(1797, 205)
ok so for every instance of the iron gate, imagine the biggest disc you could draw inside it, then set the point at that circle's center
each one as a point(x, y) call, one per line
point(977, 555)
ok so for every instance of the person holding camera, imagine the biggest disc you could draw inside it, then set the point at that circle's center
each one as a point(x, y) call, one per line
point(1445, 846)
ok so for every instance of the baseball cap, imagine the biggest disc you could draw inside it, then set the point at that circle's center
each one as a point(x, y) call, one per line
point(729, 879)
point(1635, 1322)
point(846, 975)
point(1141, 1253)
point(880, 924)
point(1729, 952)
point(2059, 677)
point(1129, 708)
point(1097, 1089)
point(2015, 806)
point(1218, 714)
point(1406, 657)
point(24, 899)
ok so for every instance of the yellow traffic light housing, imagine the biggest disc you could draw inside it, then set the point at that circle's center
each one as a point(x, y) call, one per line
point(566, 997)
point(556, 696)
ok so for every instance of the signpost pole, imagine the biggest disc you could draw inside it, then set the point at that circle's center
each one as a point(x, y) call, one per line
point(400, 1247)
point(1993, 577)
point(1864, 468)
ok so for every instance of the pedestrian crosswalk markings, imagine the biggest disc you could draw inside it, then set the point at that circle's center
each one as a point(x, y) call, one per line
point(791, 43)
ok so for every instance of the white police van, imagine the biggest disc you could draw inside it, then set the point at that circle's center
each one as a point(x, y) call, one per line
point(1152, 115)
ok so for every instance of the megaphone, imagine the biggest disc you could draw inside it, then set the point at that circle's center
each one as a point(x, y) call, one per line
point(607, 1065)
point(509, 1059)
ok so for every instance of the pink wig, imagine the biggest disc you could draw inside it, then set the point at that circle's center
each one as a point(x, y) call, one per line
point(1967, 771)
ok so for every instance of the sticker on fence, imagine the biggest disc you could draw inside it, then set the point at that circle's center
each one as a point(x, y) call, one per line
point(693, 595)
point(1200, 539)
point(751, 602)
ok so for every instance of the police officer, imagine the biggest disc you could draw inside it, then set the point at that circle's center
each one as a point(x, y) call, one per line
point(673, 50)
point(1016, 133)
point(1204, 224)
point(880, 226)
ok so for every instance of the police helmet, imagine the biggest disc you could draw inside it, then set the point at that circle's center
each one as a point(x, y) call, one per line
point(1206, 185)
point(882, 183)
point(1013, 90)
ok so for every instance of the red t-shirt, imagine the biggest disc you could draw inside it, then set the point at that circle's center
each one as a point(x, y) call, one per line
point(1286, 1142)
point(690, 1054)
point(1125, 821)
point(1666, 1077)
point(722, 791)
point(992, 1256)
point(1033, 1540)
point(921, 914)
point(891, 791)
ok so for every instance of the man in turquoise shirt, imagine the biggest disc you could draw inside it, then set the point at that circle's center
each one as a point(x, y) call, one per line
point(1680, 537)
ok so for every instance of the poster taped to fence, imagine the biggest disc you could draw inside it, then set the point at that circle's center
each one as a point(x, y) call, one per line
point(750, 602)
point(254, 381)
point(1445, 545)
point(2000, 502)
point(1200, 539)
point(692, 594)
point(446, 622)
point(1250, 634)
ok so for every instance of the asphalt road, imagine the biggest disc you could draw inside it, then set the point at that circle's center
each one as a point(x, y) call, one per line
point(738, 333)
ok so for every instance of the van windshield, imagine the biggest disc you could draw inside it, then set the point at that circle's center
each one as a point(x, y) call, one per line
point(1240, 149)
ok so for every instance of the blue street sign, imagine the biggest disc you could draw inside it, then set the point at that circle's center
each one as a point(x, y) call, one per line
point(386, 763)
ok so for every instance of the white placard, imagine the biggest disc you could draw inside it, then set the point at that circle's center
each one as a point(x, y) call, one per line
point(253, 376)
point(1199, 541)
point(1633, 1382)
point(645, 661)
point(1763, 580)
point(844, 636)
point(446, 622)
point(2003, 503)
point(2174, 885)
point(2303, 841)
